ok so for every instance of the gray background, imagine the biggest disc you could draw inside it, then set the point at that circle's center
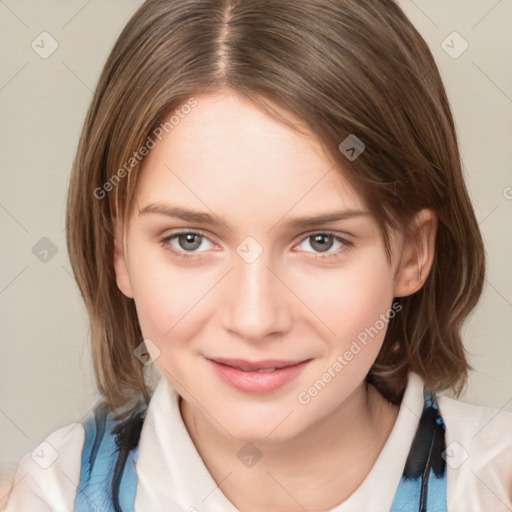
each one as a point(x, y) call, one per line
point(46, 378)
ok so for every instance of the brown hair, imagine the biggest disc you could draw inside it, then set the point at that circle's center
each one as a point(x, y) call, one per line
point(342, 67)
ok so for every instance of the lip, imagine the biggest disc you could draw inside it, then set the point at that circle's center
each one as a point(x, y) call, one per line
point(246, 376)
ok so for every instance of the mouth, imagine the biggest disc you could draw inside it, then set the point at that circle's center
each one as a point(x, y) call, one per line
point(268, 365)
point(257, 376)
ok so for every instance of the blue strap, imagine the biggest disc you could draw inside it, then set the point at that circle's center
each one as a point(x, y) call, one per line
point(99, 455)
point(426, 491)
point(408, 494)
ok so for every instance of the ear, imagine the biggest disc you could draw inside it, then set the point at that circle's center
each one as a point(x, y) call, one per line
point(417, 254)
point(120, 265)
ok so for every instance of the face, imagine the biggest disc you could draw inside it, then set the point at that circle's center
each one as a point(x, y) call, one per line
point(252, 311)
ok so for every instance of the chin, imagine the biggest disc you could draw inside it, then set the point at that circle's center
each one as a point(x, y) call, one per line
point(260, 435)
point(262, 426)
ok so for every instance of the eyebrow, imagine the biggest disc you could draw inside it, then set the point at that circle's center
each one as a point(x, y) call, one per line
point(188, 215)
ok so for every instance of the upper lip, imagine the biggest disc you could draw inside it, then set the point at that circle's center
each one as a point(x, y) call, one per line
point(266, 364)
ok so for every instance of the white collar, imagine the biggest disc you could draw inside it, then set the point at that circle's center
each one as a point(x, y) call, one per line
point(170, 465)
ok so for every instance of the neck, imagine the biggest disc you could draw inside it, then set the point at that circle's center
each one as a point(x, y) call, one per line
point(315, 470)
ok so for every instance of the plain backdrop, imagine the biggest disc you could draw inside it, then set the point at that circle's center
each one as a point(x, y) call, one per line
point(46, 378)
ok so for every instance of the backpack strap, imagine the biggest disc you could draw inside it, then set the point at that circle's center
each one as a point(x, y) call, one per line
point(99, 456)
point(423, 484)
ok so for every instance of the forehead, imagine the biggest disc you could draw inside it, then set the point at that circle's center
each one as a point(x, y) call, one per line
point(231, 157)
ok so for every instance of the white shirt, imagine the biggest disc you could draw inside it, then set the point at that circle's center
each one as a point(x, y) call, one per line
point(173, 477)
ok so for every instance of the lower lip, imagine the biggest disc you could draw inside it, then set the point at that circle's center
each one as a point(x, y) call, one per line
point(255, 382)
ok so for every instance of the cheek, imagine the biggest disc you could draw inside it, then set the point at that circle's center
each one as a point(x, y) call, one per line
point(371, 295)
point(350, 300)
point(166, 295)
point(357, 309)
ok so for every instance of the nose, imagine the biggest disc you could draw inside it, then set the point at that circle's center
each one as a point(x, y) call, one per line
point(257, 302)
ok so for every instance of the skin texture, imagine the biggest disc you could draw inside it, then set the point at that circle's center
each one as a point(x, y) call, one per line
point(230, 160)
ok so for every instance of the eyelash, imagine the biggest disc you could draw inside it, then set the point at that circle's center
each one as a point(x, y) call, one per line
point(165, 243)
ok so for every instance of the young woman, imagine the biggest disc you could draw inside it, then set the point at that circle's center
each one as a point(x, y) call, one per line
point(267, 204)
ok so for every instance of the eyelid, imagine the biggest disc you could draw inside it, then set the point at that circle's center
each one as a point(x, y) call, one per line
point(336, 234)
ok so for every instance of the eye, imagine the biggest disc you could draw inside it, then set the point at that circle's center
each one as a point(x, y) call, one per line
point(322, 243)
point(185, 243)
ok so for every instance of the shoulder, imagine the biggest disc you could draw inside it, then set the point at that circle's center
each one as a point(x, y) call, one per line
point(46, 478)
point(477, 425)
point(478, 455)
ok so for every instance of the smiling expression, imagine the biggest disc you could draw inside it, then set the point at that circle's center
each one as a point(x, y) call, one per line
point(226, 262)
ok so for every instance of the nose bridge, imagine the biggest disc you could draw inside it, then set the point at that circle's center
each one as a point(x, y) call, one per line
point(256, 306)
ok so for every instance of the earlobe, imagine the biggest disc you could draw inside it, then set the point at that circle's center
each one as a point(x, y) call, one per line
point(120, 264)
point(418, 254)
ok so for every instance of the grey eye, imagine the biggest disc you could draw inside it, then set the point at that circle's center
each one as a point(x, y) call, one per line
point(321, 242)
point(189, 241)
